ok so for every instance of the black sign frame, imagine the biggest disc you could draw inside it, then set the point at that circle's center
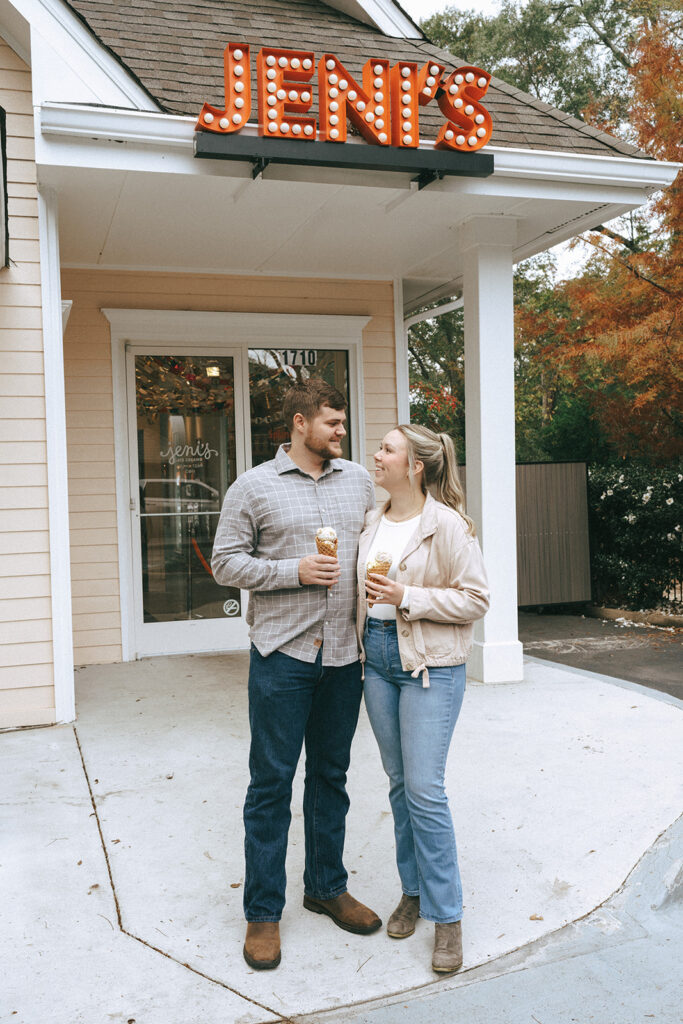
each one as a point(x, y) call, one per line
point(426, 165)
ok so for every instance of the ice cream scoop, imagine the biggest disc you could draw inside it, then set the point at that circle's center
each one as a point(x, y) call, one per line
point(326, 541)
point(379, 565)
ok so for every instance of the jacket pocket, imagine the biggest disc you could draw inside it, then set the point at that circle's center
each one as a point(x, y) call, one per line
point(440, 638)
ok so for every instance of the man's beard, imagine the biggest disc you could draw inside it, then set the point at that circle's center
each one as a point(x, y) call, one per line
point(320, 448)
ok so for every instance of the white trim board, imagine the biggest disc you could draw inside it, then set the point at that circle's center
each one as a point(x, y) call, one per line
point(401, 349)
point(388, 17)
point(57, 477)
point(145, 327)
point(85, 136)
point(67, 61)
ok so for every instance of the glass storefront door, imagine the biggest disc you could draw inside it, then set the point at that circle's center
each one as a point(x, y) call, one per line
point(195, 422)
point(188, 447)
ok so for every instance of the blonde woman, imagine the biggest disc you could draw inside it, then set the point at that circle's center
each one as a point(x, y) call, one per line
point(415, 629)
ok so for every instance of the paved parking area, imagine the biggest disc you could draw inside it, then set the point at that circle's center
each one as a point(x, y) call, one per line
point(649, 655)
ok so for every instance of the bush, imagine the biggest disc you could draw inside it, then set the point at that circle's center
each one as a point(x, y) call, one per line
point(635, 530)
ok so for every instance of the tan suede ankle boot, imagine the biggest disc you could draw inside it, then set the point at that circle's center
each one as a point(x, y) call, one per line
point(447, 955)
point(402, 922)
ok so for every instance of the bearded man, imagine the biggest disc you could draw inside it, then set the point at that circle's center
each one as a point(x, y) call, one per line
point(304, 673)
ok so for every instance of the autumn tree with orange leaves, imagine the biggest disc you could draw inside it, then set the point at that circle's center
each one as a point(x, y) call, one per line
point(626, 356)
point(598, 357)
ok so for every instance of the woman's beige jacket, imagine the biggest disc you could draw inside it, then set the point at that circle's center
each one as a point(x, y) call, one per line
point(443, 566)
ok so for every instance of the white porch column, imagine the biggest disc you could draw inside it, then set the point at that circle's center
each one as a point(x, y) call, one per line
point(487, 244)
point(57, 481)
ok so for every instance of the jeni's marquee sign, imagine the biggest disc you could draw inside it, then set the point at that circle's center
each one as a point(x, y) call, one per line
point(384, 109)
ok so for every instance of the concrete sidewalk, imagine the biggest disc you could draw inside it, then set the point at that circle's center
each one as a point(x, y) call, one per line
point(121, 864)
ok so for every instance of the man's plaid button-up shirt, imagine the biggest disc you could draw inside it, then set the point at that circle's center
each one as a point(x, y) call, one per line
point(267, 525)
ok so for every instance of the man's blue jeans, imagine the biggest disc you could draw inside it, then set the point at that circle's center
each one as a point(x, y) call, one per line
point(413, 726)
point(292, 701)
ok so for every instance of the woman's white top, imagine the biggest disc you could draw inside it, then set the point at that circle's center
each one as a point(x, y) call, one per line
point(392, 538)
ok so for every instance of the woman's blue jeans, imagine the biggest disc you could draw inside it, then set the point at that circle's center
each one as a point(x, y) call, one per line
point(413, 726)
point(292, 702)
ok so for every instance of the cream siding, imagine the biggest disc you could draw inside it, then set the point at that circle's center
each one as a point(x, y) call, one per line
point(26, 670)
point(89, 404)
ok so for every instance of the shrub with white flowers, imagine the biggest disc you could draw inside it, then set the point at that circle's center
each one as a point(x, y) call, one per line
point(636, 540)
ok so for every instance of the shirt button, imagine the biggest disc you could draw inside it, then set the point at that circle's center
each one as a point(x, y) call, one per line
point(404, 632)
point(402, 566)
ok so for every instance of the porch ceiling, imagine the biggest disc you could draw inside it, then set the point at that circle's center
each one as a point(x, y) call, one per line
point(224, 222)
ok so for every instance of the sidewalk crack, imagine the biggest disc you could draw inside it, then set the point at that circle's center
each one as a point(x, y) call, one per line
point(279, 1019)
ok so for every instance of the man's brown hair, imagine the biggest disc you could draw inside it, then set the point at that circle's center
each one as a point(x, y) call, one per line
point(308, 397)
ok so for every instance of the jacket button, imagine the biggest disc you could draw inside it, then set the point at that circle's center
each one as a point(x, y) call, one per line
point(404, 632)
point(402, 566)
point(409, 668)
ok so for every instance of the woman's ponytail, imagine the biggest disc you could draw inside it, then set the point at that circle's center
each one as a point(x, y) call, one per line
point(437, 454)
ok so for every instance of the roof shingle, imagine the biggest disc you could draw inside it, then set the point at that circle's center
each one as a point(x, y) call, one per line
point(175, 50)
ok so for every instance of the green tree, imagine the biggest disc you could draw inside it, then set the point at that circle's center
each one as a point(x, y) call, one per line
point(436, 350)
point(573, 54)
point(553, 419)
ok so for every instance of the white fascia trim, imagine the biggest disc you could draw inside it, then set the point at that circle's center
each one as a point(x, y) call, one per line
point(552, 165)
point(69, 37)
point(102, 124)
point(383, 14)
point(153, 130)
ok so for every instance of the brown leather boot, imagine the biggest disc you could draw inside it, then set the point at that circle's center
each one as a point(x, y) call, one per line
point(262, 945)
point(447, 955)
point(346, 912)
point(402, 922)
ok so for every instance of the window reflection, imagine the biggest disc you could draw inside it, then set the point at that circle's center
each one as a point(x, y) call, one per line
point(186, 462)
point(271, 372)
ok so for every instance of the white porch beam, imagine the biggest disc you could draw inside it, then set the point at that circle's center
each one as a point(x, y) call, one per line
point(401, 350)
point(487, 245)
point(57, 480)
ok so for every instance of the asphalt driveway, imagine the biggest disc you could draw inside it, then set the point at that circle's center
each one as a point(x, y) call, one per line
point(649, 655)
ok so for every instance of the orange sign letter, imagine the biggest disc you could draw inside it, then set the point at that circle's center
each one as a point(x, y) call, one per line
point(237, 94)
point(341, 97)
point(278, 98)
point(469, 126)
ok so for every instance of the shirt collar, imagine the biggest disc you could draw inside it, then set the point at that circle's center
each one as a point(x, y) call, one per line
point(283, 464)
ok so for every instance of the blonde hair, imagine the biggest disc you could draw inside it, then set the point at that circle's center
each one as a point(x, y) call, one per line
point(436, 452)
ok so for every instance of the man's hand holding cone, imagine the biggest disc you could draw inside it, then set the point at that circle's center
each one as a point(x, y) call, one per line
point(322, 569)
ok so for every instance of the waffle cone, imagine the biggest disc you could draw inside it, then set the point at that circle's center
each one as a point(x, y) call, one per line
point(378, 568)
point(327, 547)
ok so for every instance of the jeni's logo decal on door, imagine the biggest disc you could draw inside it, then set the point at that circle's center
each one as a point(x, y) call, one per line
point(384, 108)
